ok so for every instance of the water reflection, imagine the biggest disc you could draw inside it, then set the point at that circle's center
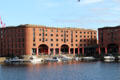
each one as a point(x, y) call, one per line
point(72, 70)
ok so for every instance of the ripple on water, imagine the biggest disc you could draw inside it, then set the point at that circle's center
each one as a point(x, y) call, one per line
point(61, 71)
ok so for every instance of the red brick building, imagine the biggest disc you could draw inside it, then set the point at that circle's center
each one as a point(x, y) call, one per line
point(41, 40)
point(109, 40)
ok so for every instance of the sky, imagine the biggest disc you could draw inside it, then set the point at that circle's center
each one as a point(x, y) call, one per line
point(89, 14)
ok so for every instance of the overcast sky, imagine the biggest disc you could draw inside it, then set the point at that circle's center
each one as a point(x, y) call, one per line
point(90, 14)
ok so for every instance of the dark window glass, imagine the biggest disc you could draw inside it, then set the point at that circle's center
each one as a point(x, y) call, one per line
point(51, 44)
point(51, 39)
point(51, 34)
point(34, 44)
point(80, 44)
point(80, 40)
point(56, 39)
point(56, 35)
point(71, 44)
point(39, 39)
point(56, 44)
point(76, 40)
point(76, 45)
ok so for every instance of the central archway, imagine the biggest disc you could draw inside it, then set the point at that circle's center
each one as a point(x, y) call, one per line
point(112, 48)
point(65, 49)
point(43, 49)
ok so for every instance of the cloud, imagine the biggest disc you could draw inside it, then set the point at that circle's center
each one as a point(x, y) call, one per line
point(90, 1)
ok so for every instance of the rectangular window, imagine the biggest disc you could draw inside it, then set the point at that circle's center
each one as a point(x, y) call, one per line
point(76, 45)
point(51, 39)
point(34, 44)
point(39, 39)
point(33, 51)
point(51, 34)
point(71, 44)
point(39, 30)
point(80, 40)
point(51, 44)
point(56, 44)
point(56, 39)
point(56, 35)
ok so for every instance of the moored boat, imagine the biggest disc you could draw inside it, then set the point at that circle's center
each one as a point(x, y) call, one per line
point(109, 58)
point(34, 60)
point(89, 58)
point(53, 59)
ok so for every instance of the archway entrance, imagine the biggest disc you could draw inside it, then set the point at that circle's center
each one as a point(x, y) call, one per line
point(113, 48)
point(65, 49)
point(43, 49)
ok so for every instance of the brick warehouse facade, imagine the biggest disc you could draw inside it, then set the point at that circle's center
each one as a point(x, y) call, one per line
point(109, 40)
point(41, 40)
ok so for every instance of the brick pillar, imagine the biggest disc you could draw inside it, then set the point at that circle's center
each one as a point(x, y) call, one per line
point(99, 50)
point(59, 51)
point(69, 50)
point(36, 51)
point(78, 51)
point(48, 51)
point(83, 51)
point(54, 51)
point(105, 50)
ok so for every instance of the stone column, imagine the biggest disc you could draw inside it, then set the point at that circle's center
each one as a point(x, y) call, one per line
point(36, 51)
point(99, 50)
point(59, 51)
point(105, 50)
point(69, 51)
point(48, 51)
point(54, 51)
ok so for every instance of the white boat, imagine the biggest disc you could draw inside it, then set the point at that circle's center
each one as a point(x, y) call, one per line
point(14, 60)
point(34, 60)
point(78, 58)
point(109, 58)
point(90, 58)
point(65, 58)
point(119, 58)
point(53, 59)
